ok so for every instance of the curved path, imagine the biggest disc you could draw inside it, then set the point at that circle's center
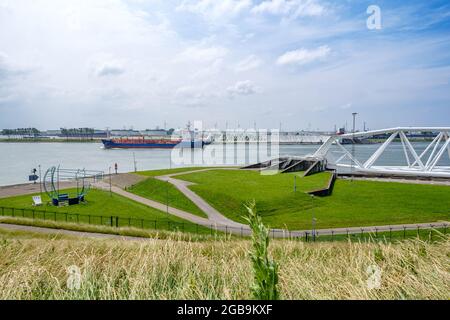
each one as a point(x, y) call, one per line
point(84, 234)
point(213, 215)
point(218, 221)
point(215, 219)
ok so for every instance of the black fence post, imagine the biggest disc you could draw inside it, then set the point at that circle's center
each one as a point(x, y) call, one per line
point(390, 233)
point(332, 235)
point(211, 230)
point(404, 232)
point(23, 213)
point(376, 232)
point(418, 235)
point(117, 221)
point(306, 236)
point(111, 221)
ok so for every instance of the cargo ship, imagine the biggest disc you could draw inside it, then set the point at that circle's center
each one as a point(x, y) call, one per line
point(152, 143)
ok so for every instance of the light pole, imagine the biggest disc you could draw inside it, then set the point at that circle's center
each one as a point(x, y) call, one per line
point(167, 196)
point(313, 219)
point(40, 181)
point(110, 183)
point(353, 143)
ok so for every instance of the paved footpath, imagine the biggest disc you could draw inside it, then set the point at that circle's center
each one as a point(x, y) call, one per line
point(16, 227)
point(217, 221)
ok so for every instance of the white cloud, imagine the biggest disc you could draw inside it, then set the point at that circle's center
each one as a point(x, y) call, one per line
point(202, 54)
point(346, 106)
point(303, 56)
point(9, 68)
point(195, 95)
point(243, 88)
point(110, 68)
point(290, 8)
point(213, 9)
point(251, 62)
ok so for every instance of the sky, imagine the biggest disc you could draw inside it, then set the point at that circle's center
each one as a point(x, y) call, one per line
point(301, 64)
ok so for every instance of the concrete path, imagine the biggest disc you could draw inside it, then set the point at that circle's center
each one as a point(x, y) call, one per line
point(122, 180)
point(215, 219)
point(213, 215)
point(29, 188)
point(16, 227)
point(157, 205)
point(399, 180)
point(237, 228)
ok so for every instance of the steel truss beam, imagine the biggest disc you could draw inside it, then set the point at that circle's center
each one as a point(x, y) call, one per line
point(425, 164)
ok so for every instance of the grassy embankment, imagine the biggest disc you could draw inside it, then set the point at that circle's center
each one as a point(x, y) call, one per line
point(357, 203)
point(100, 203)
point(165, 192)
point(36, 267)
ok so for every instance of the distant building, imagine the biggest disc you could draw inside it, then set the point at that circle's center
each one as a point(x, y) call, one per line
point(124, 133)
point(154, 132)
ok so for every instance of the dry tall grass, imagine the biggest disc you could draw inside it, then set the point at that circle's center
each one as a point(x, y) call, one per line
point(171, 269)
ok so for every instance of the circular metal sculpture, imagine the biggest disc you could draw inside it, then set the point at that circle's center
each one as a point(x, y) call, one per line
point(54, 176)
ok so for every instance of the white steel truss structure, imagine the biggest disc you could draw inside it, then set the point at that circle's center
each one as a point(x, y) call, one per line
point(423, 164)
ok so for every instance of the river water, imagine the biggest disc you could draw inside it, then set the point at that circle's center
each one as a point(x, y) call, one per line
point(17, 159)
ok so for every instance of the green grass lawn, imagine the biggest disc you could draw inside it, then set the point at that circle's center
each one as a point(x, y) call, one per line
point(357, 203)
point(100, 203)
point(165, 192)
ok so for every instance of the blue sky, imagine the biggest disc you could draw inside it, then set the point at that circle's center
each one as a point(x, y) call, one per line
point(304, 63)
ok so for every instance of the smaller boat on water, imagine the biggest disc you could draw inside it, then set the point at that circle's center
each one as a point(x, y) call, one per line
point(152, 143)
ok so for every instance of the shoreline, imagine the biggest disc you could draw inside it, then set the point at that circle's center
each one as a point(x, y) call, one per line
point(48, 141)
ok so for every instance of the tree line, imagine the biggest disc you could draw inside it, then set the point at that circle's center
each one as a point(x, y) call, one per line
point(87, 133)
point(78, 132)
point(21, 132)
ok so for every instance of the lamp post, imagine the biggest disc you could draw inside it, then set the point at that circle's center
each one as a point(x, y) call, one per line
point(40, 181)
point(167, 196)
point(353, 143)
point(110, 183)
point(313, 219)
point(134, 162)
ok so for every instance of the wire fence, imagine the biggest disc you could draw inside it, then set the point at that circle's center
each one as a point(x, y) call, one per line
point(429, 231)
